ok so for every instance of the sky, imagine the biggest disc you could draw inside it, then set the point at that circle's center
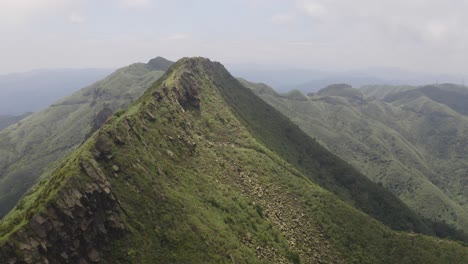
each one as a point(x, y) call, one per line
point(332, 35)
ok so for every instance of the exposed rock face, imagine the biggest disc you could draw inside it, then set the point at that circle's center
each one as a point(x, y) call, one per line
point(72, 229)
point(99, 120)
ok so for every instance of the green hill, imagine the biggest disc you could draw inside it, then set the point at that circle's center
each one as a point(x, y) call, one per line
point(159, 64)
point(170, 180)
point(412, 145)
point(29, 149)
point(451, 95)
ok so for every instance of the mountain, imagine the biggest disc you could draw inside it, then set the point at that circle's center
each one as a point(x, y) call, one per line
point(171, 180)
point(7, 120)
point(281, 77)
point(413, 141)
point(34, 90)
point(450, 95)
point(159, 64)
point(380, 91)
point(29, 149)
point(285, 78)
point(318, 83)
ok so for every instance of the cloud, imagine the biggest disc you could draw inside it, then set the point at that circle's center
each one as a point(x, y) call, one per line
point(18, 11)
point(136, 3)
point(76, 18)
point(282, 18)
point(437, 30)
point(313, 8)
point(178, 36)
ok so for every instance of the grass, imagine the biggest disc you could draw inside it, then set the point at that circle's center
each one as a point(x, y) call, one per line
point(35, 146)
point(412, 146)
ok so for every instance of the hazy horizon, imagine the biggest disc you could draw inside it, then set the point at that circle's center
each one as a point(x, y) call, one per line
point(329, 35)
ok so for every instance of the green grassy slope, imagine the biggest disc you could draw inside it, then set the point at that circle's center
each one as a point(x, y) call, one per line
point(441, 122)
point(29, 149)
point(313, 160)
point(391, 144)
point(450, 95)
point(173, 181)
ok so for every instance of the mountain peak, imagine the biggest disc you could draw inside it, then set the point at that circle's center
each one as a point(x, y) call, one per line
point(159, 64)
point(342, 90)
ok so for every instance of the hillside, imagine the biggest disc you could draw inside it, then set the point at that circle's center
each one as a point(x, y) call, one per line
point(413, 146)
point(451, 95)
point(381, 91)
point(30, 149)
point(171, 180)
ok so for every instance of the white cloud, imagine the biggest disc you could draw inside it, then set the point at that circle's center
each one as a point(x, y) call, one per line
point(18, 11)
point(313, 8)
point(136, 3)
point(76, 18)
point(282, 18)
point(437, 30)
point(178, 36)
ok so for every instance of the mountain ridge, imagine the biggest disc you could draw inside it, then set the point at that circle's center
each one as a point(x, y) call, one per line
point(30, 149)
point(388, 141)
point(174, 181)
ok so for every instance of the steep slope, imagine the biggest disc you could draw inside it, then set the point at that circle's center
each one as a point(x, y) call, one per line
point(35, 90)
point(29, 149)
point(439, 121)
point(330, 172)
point(7, 120)
point(392, 145)
point(441, 125)
point(172, 181)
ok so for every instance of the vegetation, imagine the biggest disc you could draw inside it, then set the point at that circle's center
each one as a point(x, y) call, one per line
point(381, 91)
point(203, 186)
point(413, 144)
point(295, 95)
point(30, 149)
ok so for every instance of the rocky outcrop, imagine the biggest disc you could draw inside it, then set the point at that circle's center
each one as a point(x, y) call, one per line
point(99, 120)
point(73, 228)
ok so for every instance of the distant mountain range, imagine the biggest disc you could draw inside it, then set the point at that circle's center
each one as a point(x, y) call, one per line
point(411, 139)
point(285, 79)
point(31, 91)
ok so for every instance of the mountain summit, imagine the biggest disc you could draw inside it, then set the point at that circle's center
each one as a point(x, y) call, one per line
point(159, 64)
point(185, 176)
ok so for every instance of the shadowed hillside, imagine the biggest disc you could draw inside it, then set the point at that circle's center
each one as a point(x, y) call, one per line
point(413, 144)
